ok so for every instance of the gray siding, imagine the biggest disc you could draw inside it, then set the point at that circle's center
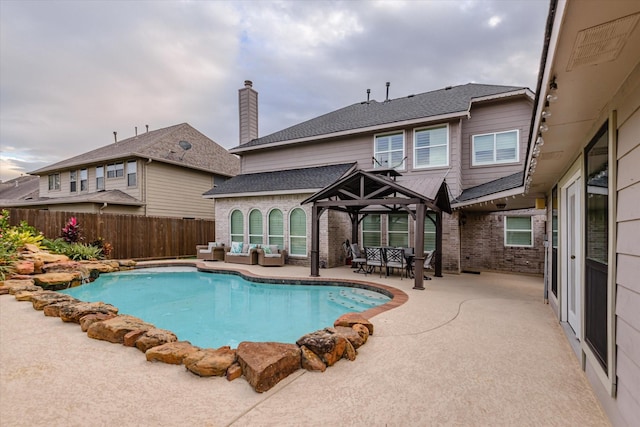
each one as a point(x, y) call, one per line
point(628, 269)
point(177, 192)
point(492, 117)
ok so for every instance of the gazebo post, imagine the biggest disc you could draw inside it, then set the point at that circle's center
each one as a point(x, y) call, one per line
point(438, 260)
point(354, 227)
point(315, 241)
point(418, 250)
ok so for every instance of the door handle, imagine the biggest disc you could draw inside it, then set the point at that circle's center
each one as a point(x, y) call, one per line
point(573, 257)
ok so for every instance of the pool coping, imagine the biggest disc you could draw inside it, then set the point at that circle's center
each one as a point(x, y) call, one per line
point(398, 297)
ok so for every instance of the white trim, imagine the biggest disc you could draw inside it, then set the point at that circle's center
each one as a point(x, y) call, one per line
point(447, 147)
point(262, 193)
point(268, 225)
point(231, 225)
point(524, 91)
point(306, 239)
point(249, 235)
point(403, 165)
point(506, 230)
point(495, 150)
point(491, 197)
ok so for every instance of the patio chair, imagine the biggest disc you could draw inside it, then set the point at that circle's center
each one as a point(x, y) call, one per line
point(358, 261)
point(394, 258)
point(374, 259)
point(426, 265)
point(271, 256)
point(214, 251)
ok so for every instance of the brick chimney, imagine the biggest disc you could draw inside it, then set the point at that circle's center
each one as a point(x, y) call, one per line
point(248, 109)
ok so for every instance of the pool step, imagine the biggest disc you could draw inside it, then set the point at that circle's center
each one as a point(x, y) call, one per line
point(355, 300)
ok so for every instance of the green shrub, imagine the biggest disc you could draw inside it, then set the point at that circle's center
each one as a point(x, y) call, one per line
point(80, 251)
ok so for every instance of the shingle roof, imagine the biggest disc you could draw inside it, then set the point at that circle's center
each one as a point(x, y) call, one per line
point(112, 197)
point(312, 178)
point(20, 188)
point(455, 99)
point(501, 184)
point(160, 145)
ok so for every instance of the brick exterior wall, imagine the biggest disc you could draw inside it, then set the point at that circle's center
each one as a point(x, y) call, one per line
point(483, 245)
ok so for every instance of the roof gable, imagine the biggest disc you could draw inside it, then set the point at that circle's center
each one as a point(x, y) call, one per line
point(160, 145)
point(442, 102)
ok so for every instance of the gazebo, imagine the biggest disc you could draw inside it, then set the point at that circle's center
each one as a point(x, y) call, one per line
point(378, 191)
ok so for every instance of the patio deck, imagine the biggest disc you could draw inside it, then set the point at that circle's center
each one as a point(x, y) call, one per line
point(469, 350)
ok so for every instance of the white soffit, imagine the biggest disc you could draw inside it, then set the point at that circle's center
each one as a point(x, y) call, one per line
point(602, 43)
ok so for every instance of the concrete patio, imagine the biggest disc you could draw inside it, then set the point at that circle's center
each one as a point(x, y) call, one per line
point(472, 350)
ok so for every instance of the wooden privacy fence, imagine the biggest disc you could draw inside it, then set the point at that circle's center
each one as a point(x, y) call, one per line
point(132, 236)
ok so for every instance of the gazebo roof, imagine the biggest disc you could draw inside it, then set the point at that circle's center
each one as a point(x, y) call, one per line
point(376, 191)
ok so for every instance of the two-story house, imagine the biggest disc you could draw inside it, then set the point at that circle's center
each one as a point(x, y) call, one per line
point(159, 172)
point(586, 159)
point(473, 137)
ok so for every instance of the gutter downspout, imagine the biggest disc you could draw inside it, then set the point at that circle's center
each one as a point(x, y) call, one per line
point(104, 205)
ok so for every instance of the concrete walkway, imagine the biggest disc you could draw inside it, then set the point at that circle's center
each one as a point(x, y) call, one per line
point(471, 350)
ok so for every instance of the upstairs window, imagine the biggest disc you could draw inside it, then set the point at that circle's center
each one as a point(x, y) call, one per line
point(276, 228)
point(84, 183)
point(54, 181)
point(237, 226)
point(389, 151)
point(495, 148)
point(132, 173)
point(431, 147)
point(518, 231)
point(255, 227)
point(115, 170)
point(99, 178)
point(73, 181)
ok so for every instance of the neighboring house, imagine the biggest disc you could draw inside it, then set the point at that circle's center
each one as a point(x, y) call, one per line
point(467, 136)
point(586, 160)
point(157, 173)
point(25, 187)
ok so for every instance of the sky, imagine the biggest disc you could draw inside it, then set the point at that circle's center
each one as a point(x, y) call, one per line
point(73, 72)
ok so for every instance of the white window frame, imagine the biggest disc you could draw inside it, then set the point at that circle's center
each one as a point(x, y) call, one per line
point(416, 148)
point(257, 238)
point(506, 230)
point(376, 164)
point(132, 170)
point(115, 170)
point(494, 161)
point(84, 179)
point(73, 181)
point(54, 182)
point(390, 232)
point(231, 234)
point(270, 235)
point(291, 235)
point(100, 177)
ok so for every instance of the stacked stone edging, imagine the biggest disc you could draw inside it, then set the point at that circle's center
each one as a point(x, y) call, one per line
point(263, 364)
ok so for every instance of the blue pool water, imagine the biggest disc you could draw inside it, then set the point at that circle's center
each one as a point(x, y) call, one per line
point(211, 310)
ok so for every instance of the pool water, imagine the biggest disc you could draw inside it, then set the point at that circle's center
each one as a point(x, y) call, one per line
point(212, 310)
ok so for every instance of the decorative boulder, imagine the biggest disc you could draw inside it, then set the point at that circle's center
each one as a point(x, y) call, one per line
point(130, 338)
point(350, 319)
point(234, 371)
point(24, 267)
point(89, 319)
point(153, 338)
point(363, 331)
point(210, 362)
point(172, 352)
point(330, 347)
point(41, 299)
point(114, 330)
point(265, 364)
point(311, 361)
point(56, 281)
point(73, 312)
point(20, 285)
point(350, 334)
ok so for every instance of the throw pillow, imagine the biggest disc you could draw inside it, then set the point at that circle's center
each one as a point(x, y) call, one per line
point(267, 250)
point(236, 247)
point(274, 249)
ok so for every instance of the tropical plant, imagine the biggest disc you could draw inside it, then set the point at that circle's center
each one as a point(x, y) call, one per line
point(81, 251)
point(106, 247)
point(71, 231)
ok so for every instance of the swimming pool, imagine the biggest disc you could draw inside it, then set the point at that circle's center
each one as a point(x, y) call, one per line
point(212, 310)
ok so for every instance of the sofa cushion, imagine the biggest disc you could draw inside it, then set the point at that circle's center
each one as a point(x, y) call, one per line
point(236, 247)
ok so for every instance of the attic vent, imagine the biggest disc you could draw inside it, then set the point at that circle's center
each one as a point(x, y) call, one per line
point(410, 96)
point(447, 88)
point(602, 43)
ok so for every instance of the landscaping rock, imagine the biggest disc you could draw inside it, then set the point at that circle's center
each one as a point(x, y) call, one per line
point(46, 257)
point(311, 361)
point(25, 295)
point(265, 364)
point(114, 330)
point(172, 352)
point(210, 362)
point(130, 338)
point(74, 311)
point(349, 351)
point(153, 338)
point(44, 298)
point(14, 285)
point(101, 266)
point(234, 371)
point(57, 281)
point(24, 267)
point(330, 347)
point(350, 319)
point(351, 335)
point(4, 290)
point(90, 319)
point(363, 331)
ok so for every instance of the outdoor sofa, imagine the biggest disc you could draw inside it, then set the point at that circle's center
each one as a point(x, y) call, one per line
point(242, 253)
point(271, 256)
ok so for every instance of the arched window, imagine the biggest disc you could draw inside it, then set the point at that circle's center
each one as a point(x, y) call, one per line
point(298, 233)
point(276, 228)
point(255, 226)
point(237, 226)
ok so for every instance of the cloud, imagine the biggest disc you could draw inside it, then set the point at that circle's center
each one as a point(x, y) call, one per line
point(73, 72)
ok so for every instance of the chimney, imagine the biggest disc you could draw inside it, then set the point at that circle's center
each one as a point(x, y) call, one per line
point(248, 109)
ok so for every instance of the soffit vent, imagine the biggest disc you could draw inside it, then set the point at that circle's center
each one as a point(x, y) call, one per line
point(602, 43)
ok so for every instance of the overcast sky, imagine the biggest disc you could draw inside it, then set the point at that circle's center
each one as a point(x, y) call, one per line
point(72, 72)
